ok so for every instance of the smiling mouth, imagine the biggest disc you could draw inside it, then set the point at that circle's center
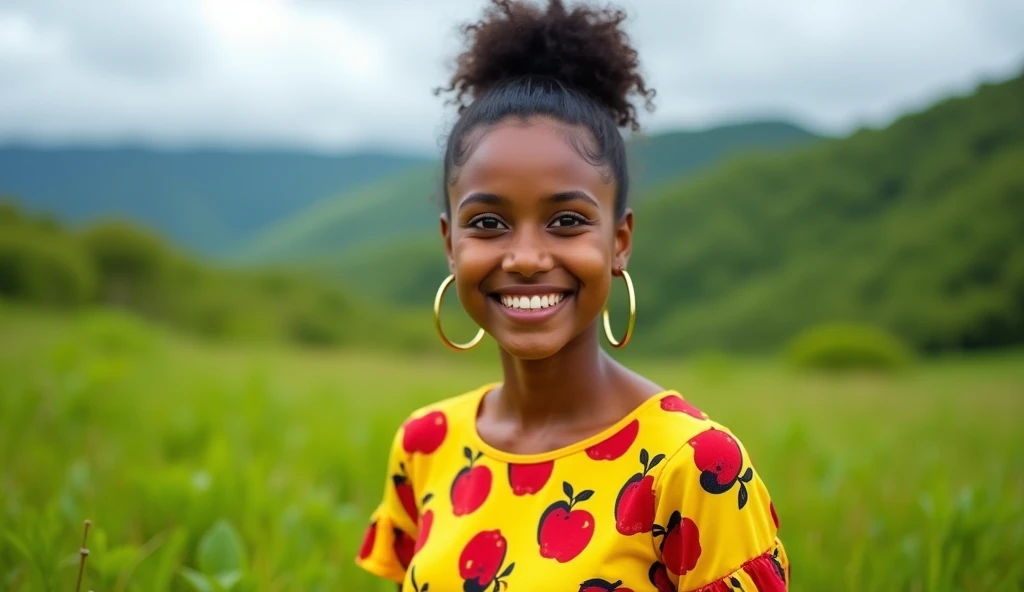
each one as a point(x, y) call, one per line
point(527, 303)
point(532, 308)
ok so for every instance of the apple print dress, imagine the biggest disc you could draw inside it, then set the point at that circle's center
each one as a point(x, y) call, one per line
point(665, 500)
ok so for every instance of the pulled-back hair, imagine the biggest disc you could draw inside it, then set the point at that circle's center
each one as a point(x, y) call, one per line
point(575, 66)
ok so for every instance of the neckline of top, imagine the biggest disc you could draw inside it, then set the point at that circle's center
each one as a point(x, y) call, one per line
point(476, 398)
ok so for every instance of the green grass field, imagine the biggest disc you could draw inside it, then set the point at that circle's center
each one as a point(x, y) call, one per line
point(260, 465)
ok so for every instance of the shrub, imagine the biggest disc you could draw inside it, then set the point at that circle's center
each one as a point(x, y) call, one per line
point(848, 346)
point(311, 327)
point(44, 268)
point(131, 261)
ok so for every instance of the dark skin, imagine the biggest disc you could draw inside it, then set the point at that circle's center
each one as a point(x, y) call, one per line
point(529, 215)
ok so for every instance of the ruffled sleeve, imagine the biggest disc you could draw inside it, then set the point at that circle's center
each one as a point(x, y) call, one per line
point(715, 527)
point(390, 539)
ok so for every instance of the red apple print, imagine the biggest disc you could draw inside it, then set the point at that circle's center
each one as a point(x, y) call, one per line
point(680, 547)
point(529, 479)
point(616, 445)
point(416, 587)
point(719, 458)
point(481, 559)
point(403, 488)
point(368, 539)
point(659, 577)
point(599, 585)
point(424, 434)
point(563, 533)
point(471, 485)
point(403, 547)
point(426, 523)
point(634, 508)
point(715, 451)
point(677, 403)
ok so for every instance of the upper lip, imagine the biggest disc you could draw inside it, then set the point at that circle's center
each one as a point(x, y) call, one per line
point(530, 290)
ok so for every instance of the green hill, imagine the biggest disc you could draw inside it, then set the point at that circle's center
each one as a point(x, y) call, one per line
point(119, 265)
point(917, 228)
point(653, 159)
point(390, 209)
point(206, 200)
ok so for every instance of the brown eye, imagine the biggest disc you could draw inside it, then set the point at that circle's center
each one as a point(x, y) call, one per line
point(487, 223)
point(568, 220)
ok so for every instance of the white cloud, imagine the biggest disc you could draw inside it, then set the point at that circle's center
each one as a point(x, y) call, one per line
point(324, 74)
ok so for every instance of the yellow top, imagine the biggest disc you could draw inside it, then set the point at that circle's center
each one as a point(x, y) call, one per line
point(666, 499)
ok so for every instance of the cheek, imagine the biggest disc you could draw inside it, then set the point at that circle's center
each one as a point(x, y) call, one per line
point(472, 264)
point(591, 264)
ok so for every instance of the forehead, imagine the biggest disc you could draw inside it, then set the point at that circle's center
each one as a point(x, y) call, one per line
point(536, 157)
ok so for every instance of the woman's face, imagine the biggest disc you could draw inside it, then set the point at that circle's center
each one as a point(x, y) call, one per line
point(532, 236)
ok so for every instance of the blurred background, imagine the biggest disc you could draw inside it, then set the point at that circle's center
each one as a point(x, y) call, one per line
point(219, 246)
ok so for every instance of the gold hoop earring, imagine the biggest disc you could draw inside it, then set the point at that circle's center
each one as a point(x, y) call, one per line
point(632, 315)
point(437, 319)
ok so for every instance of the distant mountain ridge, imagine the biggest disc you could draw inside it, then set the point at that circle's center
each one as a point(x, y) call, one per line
point(391, 208)
point(256, 205)
point(207, 200)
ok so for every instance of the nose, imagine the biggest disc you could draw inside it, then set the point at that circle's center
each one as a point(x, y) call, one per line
point(528, 253)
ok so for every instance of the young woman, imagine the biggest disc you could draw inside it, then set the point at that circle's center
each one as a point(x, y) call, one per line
point(572, 473)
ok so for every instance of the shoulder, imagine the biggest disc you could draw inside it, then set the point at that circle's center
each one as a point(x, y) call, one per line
point(699, 445)
point(667, 423)
point(698, 450)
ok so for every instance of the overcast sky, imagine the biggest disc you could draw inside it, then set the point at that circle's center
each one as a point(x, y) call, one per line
point(342, 75)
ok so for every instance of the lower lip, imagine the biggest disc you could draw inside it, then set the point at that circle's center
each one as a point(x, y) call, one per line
point(532, 315)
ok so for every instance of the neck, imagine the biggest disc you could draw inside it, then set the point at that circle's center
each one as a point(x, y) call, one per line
point(569, 384)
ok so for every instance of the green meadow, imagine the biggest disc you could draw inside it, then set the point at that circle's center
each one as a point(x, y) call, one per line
point(208, 466)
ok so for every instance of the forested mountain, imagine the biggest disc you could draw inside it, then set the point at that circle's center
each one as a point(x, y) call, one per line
point(258, 205)
point(207, 200)
point(389, 209)
point(658, 157)
point(918, 228)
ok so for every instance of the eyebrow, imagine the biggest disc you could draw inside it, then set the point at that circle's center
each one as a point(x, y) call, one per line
point(561, 197)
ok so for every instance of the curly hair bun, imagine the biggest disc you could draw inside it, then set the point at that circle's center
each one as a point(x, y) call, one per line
point(583, 48)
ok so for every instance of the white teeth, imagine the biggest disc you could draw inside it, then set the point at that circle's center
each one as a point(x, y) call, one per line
point(531, 303)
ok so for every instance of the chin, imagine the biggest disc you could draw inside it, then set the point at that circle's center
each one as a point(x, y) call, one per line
point(531, 347)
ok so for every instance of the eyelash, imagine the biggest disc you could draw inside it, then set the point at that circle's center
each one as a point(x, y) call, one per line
point(474, 222)
point(580, 220)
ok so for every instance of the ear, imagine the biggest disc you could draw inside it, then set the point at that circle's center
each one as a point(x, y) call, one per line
point(446, 233)
point(623, 240)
